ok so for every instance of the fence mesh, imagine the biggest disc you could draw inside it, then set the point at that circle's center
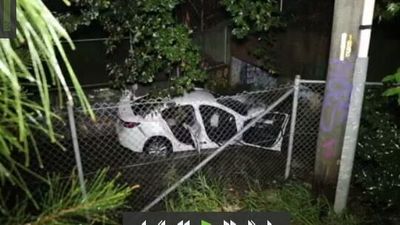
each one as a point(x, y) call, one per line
point(152, 143)
point(306, 132)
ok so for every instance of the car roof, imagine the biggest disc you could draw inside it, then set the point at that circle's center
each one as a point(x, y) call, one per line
point(196, 96)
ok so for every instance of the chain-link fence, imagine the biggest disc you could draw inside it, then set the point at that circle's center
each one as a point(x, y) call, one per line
point(306, 131)
point(159, 143)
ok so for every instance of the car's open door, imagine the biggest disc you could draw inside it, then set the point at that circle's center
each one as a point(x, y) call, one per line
point(268, 133)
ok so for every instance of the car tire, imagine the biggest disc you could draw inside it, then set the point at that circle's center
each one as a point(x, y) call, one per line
point(158, 146)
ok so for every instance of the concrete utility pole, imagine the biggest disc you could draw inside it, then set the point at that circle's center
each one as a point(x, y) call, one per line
point(342, 58)
point(356, 100)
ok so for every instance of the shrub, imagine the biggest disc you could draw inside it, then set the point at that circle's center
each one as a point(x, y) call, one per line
point(377, 166)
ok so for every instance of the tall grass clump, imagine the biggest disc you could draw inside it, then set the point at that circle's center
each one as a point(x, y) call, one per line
point(202, 194)
point(61, 202)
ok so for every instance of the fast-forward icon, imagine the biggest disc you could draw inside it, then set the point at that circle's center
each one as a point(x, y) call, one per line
point(229, 223)
point(184, 223)
point(250, 222)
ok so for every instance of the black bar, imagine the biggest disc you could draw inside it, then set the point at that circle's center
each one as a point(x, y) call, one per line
point(365, 27)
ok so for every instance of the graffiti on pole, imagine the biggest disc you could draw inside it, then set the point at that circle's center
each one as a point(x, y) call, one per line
point(336, 103)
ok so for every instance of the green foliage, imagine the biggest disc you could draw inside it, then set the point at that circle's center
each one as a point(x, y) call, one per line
point(393, 79)
point(159, 44)
point(393, 8)
point(252, 16)
point(203, 194)
point(377, 166)
point(387, 9)
point(300, 203)
point(256, 17)
point(89, 11)
point(33, 59)
point(63, 203)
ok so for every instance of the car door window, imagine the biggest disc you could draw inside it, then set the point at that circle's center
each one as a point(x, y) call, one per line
point(267, 131)
point(219, 124)
point(178, 118)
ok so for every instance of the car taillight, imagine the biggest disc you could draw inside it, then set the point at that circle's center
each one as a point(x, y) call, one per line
point(130, 124)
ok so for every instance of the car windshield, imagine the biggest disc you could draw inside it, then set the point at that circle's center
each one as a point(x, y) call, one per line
point(235, 105)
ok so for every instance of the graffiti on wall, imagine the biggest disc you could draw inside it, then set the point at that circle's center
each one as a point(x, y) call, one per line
point(244, 73)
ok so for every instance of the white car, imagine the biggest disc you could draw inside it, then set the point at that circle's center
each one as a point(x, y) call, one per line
point(195, 121)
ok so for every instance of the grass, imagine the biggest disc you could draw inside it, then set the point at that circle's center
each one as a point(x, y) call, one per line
point(202, 194)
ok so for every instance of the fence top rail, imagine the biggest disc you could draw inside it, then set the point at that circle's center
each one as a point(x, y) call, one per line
point(304, 81)
point(147, 100)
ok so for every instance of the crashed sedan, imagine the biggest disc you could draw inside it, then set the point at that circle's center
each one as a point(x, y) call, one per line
point(195, 121)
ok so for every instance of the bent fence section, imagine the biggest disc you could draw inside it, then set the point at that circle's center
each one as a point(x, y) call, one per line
point(262, 136)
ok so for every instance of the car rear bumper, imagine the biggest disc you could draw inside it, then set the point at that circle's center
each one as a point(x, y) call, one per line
point(131, 138)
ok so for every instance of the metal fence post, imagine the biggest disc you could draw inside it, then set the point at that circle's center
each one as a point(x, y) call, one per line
point(292, 125)
point(71, 118)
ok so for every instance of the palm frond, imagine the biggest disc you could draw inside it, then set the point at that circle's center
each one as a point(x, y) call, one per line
point(36, 58)
point(62, 203)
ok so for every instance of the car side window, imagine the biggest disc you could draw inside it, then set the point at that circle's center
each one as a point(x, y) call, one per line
point(219, 124)
point(177, 118)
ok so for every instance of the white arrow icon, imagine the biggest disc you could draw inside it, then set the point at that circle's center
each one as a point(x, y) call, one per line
point(230, 223)
point(162, 222)
point(184, 223)
point(269, 223)
point(144, 222)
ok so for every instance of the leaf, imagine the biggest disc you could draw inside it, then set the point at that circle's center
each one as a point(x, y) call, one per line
point(392, 91)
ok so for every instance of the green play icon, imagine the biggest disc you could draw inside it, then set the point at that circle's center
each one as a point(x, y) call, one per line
point(203, 222)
